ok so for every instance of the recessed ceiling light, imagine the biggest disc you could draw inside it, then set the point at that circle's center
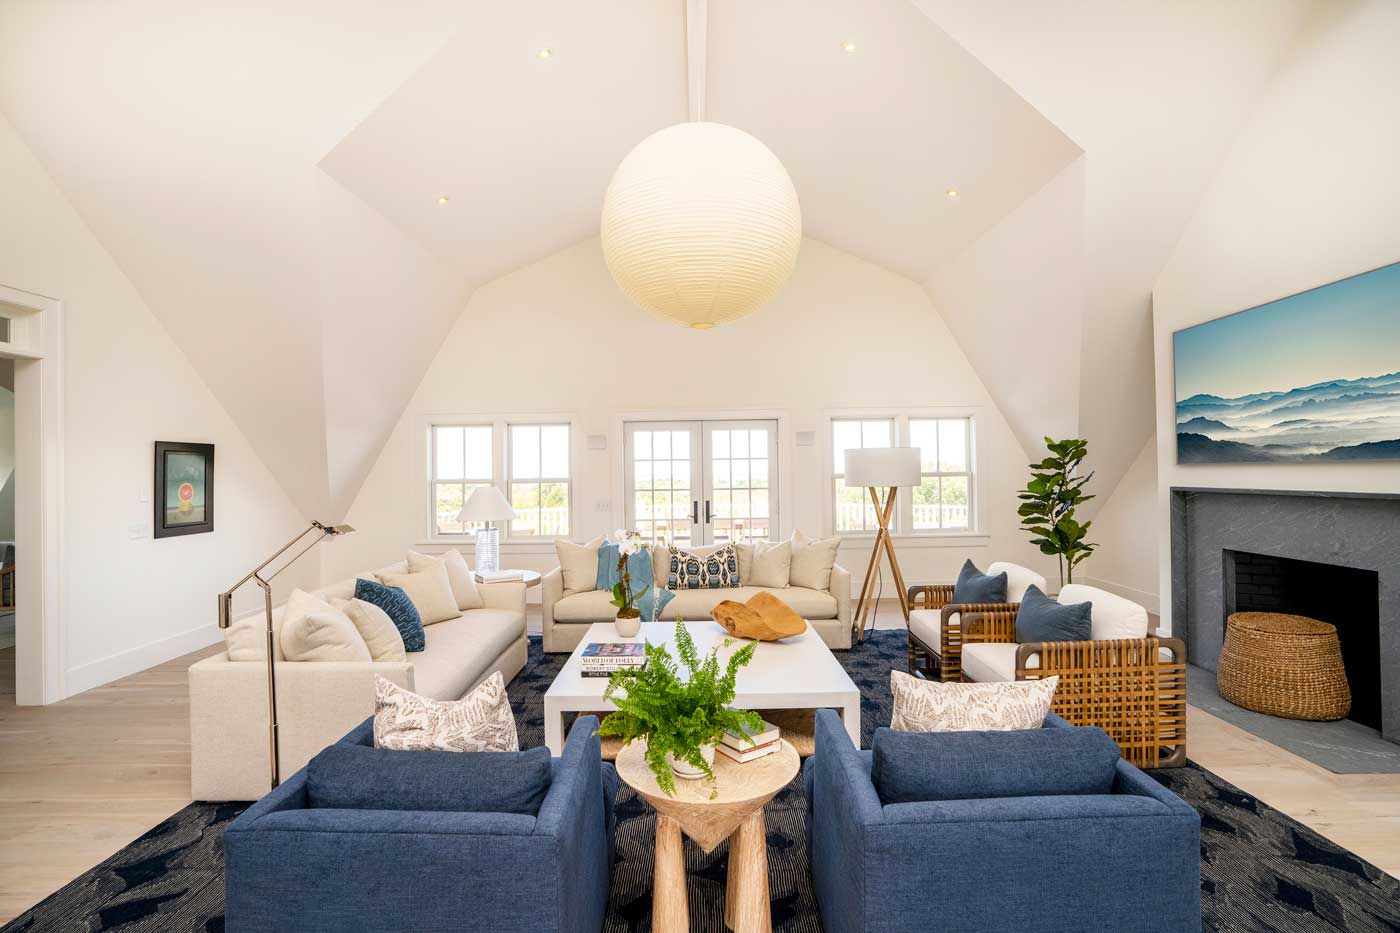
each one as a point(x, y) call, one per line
point(443, 199)
point(952, 193)
point(544, 53)
point(848, 46)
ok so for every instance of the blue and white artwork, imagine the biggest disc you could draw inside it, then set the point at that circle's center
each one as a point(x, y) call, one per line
point(1314, 377)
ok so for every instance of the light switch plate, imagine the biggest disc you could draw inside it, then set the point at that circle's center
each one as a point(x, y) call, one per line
point(806, 438)
point(597, 442)
point(602, 505)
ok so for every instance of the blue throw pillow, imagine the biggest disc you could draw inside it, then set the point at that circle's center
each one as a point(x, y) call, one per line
point(398, 607)
point(913, 766)
point(974, 586)
point(653, 602)
point(1040, 618)
point(639, 568)
point(355, 777)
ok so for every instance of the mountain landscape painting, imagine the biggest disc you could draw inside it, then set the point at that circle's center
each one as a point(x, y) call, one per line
point(1314, 377)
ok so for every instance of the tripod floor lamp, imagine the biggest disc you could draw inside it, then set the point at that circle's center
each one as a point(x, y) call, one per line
point(265, 582)
point(875, 468)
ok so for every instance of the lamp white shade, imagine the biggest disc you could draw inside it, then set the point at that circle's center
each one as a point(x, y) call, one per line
point(701, 224)
point(882, 466)
point(486, 504)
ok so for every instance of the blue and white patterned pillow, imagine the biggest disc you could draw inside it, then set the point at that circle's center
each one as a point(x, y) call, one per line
point(398, 607)
point(712, 571)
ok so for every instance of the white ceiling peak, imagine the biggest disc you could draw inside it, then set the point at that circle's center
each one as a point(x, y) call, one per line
point(697, 19)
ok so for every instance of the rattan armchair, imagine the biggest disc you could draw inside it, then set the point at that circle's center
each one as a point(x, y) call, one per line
point(1134, 689)
point(940, 660)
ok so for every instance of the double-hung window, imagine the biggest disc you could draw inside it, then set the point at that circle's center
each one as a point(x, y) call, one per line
point(462, 458)
point(944, 499)
point(539, 480)
point(853, 513)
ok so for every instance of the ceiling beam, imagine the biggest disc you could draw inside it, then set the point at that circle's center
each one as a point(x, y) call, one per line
point(697, 16)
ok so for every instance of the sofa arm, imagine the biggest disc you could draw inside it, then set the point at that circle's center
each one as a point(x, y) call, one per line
point(317, 703)
point(573, 814)
point(551, 591)
point(841, 592)
point(503, 594)
point(845, 808)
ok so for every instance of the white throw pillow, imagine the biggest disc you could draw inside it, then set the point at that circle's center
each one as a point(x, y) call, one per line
point(247, 640)
point(428, 590)
point(479, 722)
point(745, 553)
point(812, 561)
point(459, 576)
point(772, 564)
point(929, 706)
point(1018, 579)
point(579, 565)
point(381, 635)
point(324, 635)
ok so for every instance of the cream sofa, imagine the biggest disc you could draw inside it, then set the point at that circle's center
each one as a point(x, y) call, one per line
point(567, 616)
point(319, 701)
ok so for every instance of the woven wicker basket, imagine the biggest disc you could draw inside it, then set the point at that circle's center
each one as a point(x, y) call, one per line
point(1283, 665)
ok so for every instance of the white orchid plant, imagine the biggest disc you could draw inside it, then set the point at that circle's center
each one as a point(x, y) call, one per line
point(628, 543)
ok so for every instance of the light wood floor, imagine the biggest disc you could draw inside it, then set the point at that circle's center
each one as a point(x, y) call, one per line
point(82, 778)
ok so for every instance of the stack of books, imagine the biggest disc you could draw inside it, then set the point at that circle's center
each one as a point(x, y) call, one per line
point(603, 659)
point(500, 576)
point(741, 748)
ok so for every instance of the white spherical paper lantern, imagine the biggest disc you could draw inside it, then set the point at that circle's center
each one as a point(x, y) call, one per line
point(701, 224)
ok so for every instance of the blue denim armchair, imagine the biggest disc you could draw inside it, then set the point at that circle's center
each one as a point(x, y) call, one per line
point(291, 867)
point(1096, 863)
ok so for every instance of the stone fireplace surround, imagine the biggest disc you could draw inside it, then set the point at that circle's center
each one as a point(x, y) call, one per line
point(1360, 530)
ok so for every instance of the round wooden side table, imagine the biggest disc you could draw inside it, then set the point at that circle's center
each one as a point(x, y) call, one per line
point(735, 814)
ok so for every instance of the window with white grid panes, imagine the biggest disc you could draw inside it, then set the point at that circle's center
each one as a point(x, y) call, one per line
point(662, 498)
point(852, 511)
point(740, 469)
point(462, 456)
point(943, 499)
point(539, 480)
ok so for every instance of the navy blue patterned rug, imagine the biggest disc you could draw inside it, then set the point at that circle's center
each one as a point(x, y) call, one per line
point(1261, 872)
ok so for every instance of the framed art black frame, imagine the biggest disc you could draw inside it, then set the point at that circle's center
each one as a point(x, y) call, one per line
point(164, 527)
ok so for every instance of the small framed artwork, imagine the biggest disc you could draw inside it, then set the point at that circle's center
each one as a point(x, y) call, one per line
point(184, 490)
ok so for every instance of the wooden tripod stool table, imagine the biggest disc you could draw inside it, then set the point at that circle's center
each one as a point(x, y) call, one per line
point(735, 814)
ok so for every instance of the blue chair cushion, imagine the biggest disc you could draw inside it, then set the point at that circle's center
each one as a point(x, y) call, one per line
point(914, 766)
point(1040, 618)
point(354, 777)
point(974, 586)
point(398, 607)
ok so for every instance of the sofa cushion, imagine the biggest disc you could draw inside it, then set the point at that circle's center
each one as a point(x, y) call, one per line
point(590, 606)
point(1018, 579)
point(1112, 615)
point(974, 586)
point(812, 561)
point(381, 635)
point(479, 722)
point(698, 604)
point(459, 651)
point(701, 569)
point(927, 626)
point(578, 564)
point(911, 766)
point(354, 777)
point(1040, 619)
point(987, 662)
point(323, 635)
point(430, 590)
point(398, 606)
point(459, 576)
point(772, 565)
point(929, 706)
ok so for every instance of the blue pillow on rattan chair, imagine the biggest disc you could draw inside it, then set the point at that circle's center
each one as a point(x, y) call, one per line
point(1041, 619)
point(974, 586)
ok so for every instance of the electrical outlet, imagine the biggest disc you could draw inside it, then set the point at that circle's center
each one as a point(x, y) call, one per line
point(602, 505)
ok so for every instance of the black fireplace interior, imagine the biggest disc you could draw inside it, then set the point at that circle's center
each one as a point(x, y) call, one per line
point(1343, 596)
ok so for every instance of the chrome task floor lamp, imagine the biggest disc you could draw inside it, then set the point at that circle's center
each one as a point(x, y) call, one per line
point(226, 618)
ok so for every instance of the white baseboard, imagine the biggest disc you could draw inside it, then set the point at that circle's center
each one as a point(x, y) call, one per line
point(1141, 597)
point(134, 660)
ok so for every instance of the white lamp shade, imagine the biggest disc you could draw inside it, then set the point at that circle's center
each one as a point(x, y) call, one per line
point(882, 466)
point(486, 504)
point(701, 224)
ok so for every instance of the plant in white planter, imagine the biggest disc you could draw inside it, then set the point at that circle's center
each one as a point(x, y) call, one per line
point(629, 617)
point(681, 720)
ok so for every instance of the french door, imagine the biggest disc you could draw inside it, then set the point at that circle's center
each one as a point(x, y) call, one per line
point(693, 483)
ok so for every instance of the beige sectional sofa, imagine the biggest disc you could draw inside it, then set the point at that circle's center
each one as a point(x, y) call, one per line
point(319, 701)
point(568, 614)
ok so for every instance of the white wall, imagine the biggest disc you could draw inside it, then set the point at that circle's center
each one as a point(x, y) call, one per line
point(1125, 530)
point(1308, 194)
point(7, 464)
point(558, 336)
point(129, 602)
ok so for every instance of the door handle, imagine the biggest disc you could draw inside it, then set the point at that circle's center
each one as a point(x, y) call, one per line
point(707, 511)
point(695, 511)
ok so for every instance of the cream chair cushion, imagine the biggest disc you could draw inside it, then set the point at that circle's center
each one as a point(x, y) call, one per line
point(985, 662)
point(1018, 579)
point(579, 564)
point(459, 576)
point(381, 636)
point(929, 706)
point(324, 635)
point(592, 606)
point(771, 565)
point(429, 591)
point(1112, 616)
point(812, 561)
point(927, 626)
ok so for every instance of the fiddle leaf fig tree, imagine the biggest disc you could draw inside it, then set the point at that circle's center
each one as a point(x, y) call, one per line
point(1048, 503)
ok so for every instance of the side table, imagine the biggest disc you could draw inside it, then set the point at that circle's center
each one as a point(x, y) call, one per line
point(735, 814)
point(528, 577)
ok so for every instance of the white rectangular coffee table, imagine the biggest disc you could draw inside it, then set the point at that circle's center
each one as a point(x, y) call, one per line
point(796, 673)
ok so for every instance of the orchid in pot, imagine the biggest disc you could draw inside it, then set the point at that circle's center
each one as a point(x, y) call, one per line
point(629, 617)
point(681, 720)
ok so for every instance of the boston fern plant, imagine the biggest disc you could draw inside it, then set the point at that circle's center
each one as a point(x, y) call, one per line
point(678, 716)
point(1048, 503)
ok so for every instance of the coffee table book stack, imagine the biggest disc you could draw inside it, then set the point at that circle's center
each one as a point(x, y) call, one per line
point(741, 749)
point(603, 659)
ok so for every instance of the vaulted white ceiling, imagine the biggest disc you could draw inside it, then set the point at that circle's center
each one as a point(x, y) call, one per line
point(268, 174)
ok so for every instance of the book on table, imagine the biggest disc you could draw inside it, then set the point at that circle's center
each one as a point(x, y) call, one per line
point(602, 659)
point(766, 735)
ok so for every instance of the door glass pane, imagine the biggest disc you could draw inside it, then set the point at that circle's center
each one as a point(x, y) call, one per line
point(661, 492)
point(738, 465)
point(680, 445)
